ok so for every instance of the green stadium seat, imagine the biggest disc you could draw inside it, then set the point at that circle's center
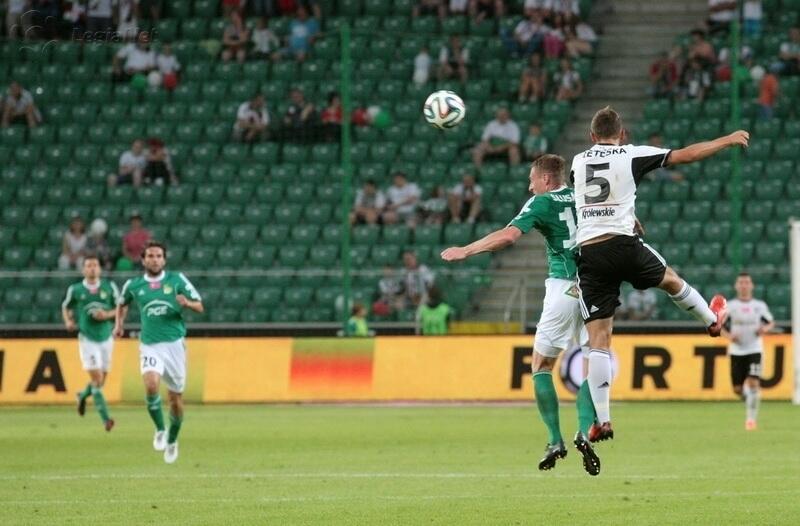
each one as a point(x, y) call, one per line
point(288, 213)
point(197, 214)
point(365, 234)
point(298, 296)
point(293, 256)
point(260, 256)
point(257, 214)
point(275, 234)
point(771, 252)
point(267, 296)
point(16, 258)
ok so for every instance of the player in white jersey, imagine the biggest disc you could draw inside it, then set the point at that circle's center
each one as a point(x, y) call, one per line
point(605, 178)
point(748, 320)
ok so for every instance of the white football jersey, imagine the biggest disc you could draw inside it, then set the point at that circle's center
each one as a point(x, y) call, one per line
point(744, 320)
point(605, 178)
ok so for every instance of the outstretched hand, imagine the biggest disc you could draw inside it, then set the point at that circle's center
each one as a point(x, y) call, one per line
point(454, 254)
point(739, 137)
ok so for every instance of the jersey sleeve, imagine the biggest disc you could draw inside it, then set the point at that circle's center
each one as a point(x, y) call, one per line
point(69, 299)
point(531, 215)
point(645, 159)
point(766, 315)
point(188, 289)
point(126, 296)
point(115, 292)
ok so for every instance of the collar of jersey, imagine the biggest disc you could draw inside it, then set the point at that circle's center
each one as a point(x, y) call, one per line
point(157, 278)
point(86, 283)
point(559, 188)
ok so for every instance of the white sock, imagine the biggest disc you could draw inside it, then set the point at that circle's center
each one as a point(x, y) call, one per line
point(752, 399)
point(692, 302)
point(599, 378)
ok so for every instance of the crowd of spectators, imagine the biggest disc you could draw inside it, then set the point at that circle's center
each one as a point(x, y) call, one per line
point(77, 243)
point(145, 165)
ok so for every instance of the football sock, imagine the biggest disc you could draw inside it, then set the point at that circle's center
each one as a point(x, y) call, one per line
point(599, 379)
point(87, 391)
point(586, 414)
point(174, 428)
point(547, 402)
point(752, 399)
point(692, 302)
point(100, 403)
point(154, 408)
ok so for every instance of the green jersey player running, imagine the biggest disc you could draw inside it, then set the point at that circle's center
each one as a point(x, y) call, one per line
point(92, 301)
point(161, 296)
point(551, 211)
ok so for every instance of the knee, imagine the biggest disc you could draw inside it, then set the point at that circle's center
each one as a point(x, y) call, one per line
point(737, 389)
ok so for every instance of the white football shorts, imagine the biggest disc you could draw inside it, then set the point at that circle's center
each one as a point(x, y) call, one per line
point(561, 322)
point(95, 355)
point(168, 359)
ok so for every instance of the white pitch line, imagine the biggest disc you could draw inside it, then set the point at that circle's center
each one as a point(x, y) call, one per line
point(368, 475)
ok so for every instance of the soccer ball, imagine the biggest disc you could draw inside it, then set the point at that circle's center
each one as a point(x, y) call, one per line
point(444, 109)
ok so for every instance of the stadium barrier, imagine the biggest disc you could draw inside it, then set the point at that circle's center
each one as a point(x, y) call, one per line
point(488, 368)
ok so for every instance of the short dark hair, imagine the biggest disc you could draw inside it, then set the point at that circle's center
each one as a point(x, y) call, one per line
point(606, 123)
point(370, 182)
point(91, 255)
point(155, 244)
point(550, 164)
point(744, 274)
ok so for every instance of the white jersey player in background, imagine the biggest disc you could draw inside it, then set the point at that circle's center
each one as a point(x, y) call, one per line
point(748, 320)
point(605, 178)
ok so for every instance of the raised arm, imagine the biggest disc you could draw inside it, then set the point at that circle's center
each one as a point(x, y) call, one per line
point(497, 240)
point(702, 150)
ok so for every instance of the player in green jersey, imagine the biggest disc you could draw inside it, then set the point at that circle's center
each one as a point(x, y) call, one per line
point(551, 211)
point(161, 297)
point(92, 302)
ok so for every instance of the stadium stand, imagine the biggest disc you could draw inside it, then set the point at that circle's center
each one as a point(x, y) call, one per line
point(677, 207)
point(240, 206)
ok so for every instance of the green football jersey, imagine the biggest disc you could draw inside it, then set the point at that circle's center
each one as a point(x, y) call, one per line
point(160, 312)
point(84, 299)
point(553, 214)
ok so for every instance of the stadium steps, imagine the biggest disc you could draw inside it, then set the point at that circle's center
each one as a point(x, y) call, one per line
point(635, 33)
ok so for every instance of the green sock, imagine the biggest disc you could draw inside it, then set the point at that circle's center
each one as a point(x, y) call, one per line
point(86, 391)
point(174, 428)
point(100, 403)
point(547, 402)
point(154, 408)
point(586, 413)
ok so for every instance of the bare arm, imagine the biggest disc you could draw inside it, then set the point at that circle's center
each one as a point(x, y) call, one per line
point(69, 321)
point(497, 240)
point(766, 328)
point(196, 306)
point(702, 150)
point(121, 314)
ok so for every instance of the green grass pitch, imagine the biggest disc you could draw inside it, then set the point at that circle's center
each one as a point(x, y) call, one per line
point(672, 463)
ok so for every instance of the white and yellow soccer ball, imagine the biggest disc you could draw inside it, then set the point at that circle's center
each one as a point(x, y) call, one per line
point(444, 109)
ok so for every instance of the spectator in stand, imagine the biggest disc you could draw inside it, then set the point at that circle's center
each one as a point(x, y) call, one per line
point(696, 81)
point(369, 204)
point(458, 7)
point(535, 144)
point(752, 13)
point(790, 53)
point(768, 92)
point(720, 15)
point(331, 117)
point(464, 200)
point(434, 208)
point(422, 67)
point(97, 244)
point(158, 170)
point(578, 45)
point(232, 6)
point(433, 316)
point(527, 37)
point(501, 137)
point(302, 33)
point(151, 9)
point(429, 8)
point(300, 117)
point(73, 245)
point(73, 20)
point(662, 173)
point(138, 58)
point(252, 120)
point(235, 39)
point(134, 241)
point(128, 19)
point(417, 279)
point(18, 104)
point(266, 44)
point(131, 166)
point(99, 17)
point(483, 9)
point(169, 67)
point(701, 49)
point(570, 10)
point(641, 305)
point(390, 293)
point(663, 77)
point(312, 6)
point(542, 8)
point(357, 324)
point(569, 82)
point(453, 60)
point(18, 26)
point(554, 39)
point(403, 200)
point(533, 81)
